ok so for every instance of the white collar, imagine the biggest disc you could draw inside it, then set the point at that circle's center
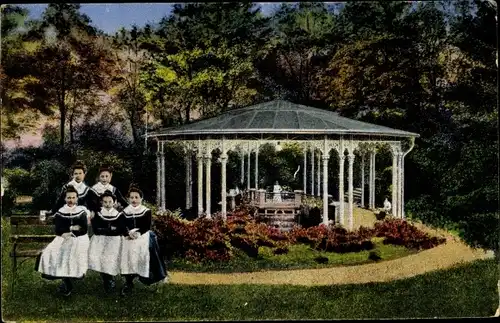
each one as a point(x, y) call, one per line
point(80, 187)
point(99, 188)
point(76, 209)
point(112, 214)
point(131, 210)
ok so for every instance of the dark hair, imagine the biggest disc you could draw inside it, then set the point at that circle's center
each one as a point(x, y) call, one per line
point(79, 165)
point(108, 193)
point(70, 189)
point(105, 168)
point(134, 188)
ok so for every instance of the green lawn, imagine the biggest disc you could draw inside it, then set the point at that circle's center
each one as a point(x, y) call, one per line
point(464, 291)
point(299, 257)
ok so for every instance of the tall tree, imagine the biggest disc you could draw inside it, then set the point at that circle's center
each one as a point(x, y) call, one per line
point(472, 176)
point(373, 75)
point(204, 59)
point(130, 60)
point(68, 49)
point(304, 38)
point(17, 107)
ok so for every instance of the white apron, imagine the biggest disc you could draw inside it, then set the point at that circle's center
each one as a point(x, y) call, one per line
point(65, 257)
point(135, 256)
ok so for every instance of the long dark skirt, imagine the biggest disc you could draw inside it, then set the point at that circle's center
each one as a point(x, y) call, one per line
point(157, 267)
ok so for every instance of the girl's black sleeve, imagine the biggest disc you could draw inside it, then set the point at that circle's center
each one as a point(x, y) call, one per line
point(93, 201)
point(61, 224)
point(121, 226)
point(144, 222)
point(83, 223)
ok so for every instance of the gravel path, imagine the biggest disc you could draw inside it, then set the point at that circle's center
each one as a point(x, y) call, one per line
point(441, 257)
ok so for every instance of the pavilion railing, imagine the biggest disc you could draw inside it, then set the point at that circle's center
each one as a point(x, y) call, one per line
point(281, 197)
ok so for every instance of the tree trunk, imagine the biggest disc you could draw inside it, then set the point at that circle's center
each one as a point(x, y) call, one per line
point(188, 113)
point(134, 130)
point(62, 110)
point(133, 123)
point(71, 138)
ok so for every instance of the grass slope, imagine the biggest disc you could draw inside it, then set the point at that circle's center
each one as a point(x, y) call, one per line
point(300, 256)
point(464, 291)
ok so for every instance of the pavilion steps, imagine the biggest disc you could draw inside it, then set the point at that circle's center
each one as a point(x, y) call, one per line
point(283, 218)
point(356, 194)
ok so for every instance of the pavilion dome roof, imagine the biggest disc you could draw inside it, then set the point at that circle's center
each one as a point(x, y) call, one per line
point(280, 117)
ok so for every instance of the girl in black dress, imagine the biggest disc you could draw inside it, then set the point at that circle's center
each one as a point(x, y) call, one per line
point(66, 256)
point(104, 183)
point(106, 243)
point(85, 197)
point(140, 255)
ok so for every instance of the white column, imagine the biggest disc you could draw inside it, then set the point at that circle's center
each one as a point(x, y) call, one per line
point(187, 160)
point(374, 200)
point(242, 177)
point(318, 178)
point(350, 159)
point(199, 158)
point(362, 179)
point(312, 172)
point(400, 185)
point(370, 180)
point(305, 170)
point(248, 168)
point(190, 179)
point(341, 187)
point(163, 201)
point(208, 170)
point(394, 182)
point(158, 177)
point(223, 185)
point(257, 167)
point(325, 189)
point(402, 205)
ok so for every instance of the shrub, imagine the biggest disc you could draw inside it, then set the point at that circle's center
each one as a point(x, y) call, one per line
point(336, 239)
point(18, 181)
point(246, 244)
point(321, 260)
point(281, 250)
point(374, 255)
point(400, 232)
point(7, 203)
point(200, 240)
point(381, 215)
point(481, 231)
point(48, 176)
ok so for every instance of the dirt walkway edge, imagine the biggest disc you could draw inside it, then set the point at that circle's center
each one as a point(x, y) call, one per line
point(447, 255)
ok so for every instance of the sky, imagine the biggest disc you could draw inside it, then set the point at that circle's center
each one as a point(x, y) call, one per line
point(111, 16)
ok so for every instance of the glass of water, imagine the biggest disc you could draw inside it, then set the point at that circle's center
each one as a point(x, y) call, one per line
point(43, 216)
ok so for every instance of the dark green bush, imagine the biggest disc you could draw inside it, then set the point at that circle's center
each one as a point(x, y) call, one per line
point(374, 255)
point(19, 181)
point(48, 176)
point(481, 231)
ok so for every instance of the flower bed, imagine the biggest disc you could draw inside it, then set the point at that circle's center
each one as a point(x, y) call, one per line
point(334, 239)
point(400, 232)
point(214, 239)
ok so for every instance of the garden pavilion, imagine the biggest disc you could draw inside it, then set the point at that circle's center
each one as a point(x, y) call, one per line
point(317, 131)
